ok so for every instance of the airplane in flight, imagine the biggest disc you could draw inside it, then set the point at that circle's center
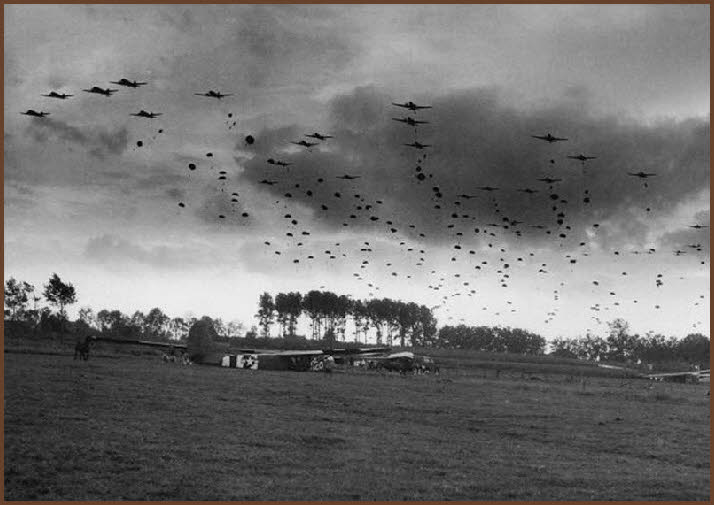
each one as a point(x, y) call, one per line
point(412, 106)
point(150, 115)
point(549, 180)
point(582, 157)
point(128, 83)
point(641, 175)
point(409, 120)
point(269, 183)
point(528, 190)
point(304, 143)
point(487, 188)
point(549, 138)
point(272, 161)
point(33, 113)
point(213, 94)
point(100, 91)
point(698, 226)
point(418, 145)
point(61, 96)
point(348, 177)
point(319, 136)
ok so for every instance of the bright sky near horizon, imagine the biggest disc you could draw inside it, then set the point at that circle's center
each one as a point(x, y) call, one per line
point(628, 84)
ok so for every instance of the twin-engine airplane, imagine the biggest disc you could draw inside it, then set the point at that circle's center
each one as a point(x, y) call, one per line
point(304, 143)
point(319, 136)
point(61, 96)
point(33, 113)
point(150, 115)
point(549, 138)
point(418, 145)
point(213, 94)
point(101, 91)
point(412, 106)
point(409, 120)
point(582, 157)
point(128, 83)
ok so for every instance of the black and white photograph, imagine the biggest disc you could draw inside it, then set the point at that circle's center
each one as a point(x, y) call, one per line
point(356, 252)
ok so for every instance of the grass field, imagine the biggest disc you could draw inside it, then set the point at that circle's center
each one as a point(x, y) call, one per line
point(134, 428)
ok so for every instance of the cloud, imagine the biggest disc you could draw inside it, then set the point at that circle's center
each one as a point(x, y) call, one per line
point(116, 252)
point(478, 140)
point(100, 142)
point(682, 238)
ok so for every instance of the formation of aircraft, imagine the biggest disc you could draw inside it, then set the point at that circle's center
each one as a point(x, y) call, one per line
point(356, 204)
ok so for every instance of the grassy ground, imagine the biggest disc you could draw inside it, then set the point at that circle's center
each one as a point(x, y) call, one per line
point(134, 428)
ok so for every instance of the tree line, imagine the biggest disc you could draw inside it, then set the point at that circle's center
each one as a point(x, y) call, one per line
point(623, 346)
point(407, 323)
point(392, 321)
point(22, 304)
point(490, 339)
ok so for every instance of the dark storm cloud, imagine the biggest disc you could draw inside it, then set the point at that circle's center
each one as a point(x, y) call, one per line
point(214, 204)
point(98, 141)
point(270, 49)
point(480, 141)
point(116, 252)
point(277, 49)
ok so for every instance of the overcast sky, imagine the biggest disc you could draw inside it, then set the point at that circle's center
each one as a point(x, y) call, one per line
point(626, 84)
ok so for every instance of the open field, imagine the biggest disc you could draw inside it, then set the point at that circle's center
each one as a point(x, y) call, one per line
point(130, 428)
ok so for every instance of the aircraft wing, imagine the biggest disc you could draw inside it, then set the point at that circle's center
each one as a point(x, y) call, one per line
point(670, 374)
point(147, 343)
point(316, 352)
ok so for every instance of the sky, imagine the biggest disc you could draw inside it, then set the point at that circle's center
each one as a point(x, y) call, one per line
point(134, 226)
